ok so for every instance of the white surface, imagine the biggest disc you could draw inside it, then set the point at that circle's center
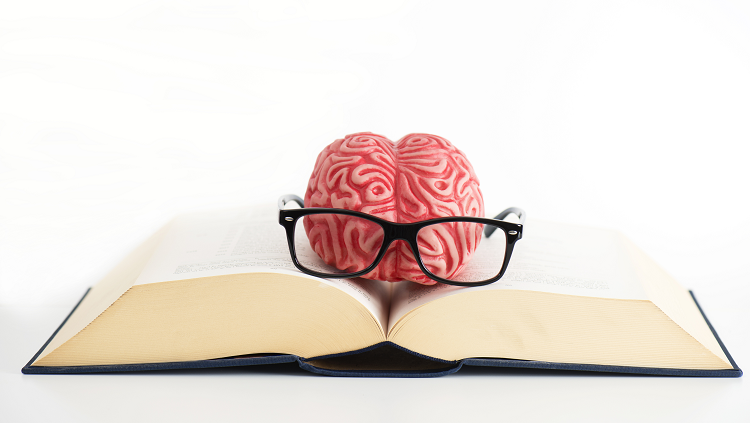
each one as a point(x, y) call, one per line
point(113, 117)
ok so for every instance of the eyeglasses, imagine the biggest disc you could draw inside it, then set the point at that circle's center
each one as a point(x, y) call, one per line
point(338, 243)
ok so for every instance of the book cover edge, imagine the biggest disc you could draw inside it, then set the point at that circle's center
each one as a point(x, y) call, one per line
point(28, 365)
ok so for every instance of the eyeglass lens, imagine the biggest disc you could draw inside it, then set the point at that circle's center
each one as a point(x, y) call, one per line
point(458, 252)
point(338, 244)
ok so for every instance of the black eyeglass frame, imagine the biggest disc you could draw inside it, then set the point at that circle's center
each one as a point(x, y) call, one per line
point(404, 231)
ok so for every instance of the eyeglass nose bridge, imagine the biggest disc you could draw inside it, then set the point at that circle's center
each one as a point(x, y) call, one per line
point(400, 231)
point(403, 231)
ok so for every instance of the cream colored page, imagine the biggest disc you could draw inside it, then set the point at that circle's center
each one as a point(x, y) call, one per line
point(573, 260)
point(244, 240)
point(674, 300)
point(105, 292)
point(551, 257)
point(219, 242)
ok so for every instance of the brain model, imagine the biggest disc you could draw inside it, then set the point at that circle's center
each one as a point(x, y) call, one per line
point(420, 177)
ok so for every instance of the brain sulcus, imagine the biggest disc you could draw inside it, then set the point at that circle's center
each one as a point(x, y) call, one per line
point(419, 177)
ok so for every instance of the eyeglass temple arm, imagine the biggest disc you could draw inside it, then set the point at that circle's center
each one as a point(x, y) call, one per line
point(283, 200)
point(488, 230)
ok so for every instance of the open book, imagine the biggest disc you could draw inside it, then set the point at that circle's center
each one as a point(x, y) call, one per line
point(219, 289)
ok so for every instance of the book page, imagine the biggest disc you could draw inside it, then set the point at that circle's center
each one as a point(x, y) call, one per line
point(102, 295)
point(244, 240)
point(551, 257)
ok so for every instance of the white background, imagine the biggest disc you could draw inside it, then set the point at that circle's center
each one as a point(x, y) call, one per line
point(114, 116)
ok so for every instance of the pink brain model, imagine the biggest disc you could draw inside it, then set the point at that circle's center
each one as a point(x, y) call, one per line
point(420, 177)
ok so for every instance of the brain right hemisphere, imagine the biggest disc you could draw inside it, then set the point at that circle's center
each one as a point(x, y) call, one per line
point(420, 177)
